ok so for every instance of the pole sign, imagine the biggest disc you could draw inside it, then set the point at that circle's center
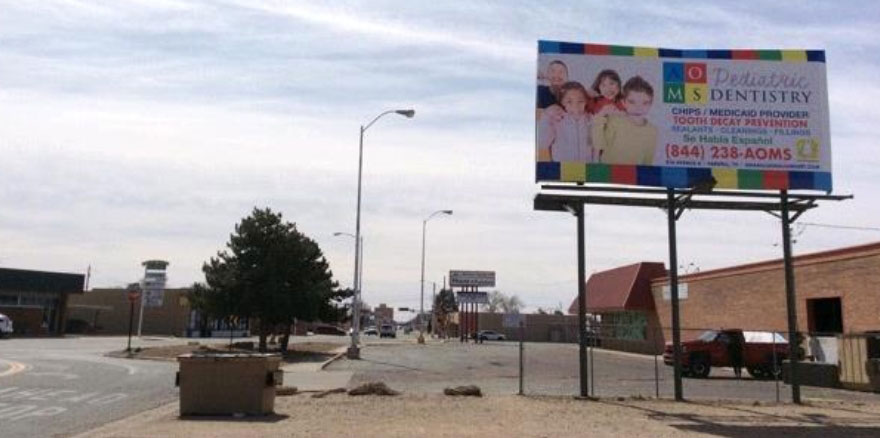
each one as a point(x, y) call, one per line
point(471, 278)
point(154, 282)
point(473, 297)
point(154, 288)
point(741, 119)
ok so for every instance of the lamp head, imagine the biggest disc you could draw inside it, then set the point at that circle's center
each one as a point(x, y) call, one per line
point(449, 212)
point(409, 113)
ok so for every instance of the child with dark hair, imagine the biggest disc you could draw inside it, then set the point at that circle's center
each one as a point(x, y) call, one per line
point(607, 90)
point(567, 137)
point(628, 138)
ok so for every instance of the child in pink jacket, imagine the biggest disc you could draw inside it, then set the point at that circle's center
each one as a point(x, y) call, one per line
point(564, 133)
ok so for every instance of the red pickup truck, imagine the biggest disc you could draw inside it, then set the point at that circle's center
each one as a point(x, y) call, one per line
point(710, 350)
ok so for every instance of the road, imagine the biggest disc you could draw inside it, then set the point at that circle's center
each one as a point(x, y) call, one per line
point(67, 385)
point(552, 369)
point(57, 387)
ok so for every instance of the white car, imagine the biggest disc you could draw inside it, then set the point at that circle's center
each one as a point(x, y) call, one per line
point(387, 331)
point(490, 335)
point(5, 325)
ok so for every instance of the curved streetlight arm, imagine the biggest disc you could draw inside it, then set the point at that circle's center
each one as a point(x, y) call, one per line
point(407, 113)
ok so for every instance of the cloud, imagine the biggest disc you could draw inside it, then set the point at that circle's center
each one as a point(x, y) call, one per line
point(145, 129)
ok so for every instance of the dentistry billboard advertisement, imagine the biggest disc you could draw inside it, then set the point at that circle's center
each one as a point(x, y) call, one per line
point(747, 119)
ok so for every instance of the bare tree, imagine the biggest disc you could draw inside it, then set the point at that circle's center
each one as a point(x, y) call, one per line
point(500, 302)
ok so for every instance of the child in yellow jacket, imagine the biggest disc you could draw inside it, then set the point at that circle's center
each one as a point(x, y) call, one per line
point(628, 138)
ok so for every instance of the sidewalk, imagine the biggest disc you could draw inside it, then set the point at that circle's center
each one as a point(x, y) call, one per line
point(310, 376)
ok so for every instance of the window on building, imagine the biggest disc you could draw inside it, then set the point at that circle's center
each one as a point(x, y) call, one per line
point(8, 299)
point(625, 325)
point(825, 316)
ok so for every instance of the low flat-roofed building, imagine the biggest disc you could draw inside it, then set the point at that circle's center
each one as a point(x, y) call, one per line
point(37, 300)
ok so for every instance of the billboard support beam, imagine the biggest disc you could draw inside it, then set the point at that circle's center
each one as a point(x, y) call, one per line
point(675, 207)
point(672, 216)
point(790, 301)
point(582, 302)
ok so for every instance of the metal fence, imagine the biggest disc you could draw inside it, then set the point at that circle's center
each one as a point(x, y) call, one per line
point(623, 361)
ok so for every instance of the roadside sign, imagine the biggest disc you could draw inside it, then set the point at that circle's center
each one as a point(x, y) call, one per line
point(682, 292)
point(512, 320)
point(471, 278)
point(473, 297)
point(154, 288)
point(133, 295)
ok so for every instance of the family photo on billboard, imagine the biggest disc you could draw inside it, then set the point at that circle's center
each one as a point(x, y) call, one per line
point(594, 114)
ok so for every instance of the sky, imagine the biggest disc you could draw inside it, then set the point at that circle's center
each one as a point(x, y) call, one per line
point(135, 130)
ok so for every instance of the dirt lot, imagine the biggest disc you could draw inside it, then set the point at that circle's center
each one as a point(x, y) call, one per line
point(510, 416)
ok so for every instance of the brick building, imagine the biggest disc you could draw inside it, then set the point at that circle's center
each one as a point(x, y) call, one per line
point(837, 292)
point(37, 300)
point(384, 314)
point(106, 311)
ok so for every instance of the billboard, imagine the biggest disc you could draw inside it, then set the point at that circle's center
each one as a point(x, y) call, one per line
point(749, 119)
point(471, 278)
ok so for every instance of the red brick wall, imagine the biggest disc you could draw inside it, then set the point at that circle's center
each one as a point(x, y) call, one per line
point(754, 298)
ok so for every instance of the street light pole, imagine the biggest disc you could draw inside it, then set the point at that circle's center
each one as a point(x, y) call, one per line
point(354, 350)
point(422, 282)
point(356, 288)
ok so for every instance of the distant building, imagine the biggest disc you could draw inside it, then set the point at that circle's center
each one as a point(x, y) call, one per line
point(37, 300)
point(384, 314)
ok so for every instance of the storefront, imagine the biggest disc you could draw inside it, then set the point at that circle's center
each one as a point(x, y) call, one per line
point(36, 301)
point(621, 308)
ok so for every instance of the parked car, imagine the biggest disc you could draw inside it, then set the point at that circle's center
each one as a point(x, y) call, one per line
point(371, 331)
point(710, 350)
point(329, 330)
point(387, 331)
point(490, 335)
point(5, 325)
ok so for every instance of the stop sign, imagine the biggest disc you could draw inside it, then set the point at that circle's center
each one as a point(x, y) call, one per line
point(133, 295)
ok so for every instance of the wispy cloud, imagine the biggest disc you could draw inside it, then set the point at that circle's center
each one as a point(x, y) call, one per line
point(148, 128)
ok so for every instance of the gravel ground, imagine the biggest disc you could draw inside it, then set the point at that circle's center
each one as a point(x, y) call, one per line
point(509, 416)
point(552, 369)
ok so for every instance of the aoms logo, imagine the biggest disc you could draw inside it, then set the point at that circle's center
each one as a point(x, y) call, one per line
point(685, 82)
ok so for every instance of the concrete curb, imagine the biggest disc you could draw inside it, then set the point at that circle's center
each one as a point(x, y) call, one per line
point(340, 352)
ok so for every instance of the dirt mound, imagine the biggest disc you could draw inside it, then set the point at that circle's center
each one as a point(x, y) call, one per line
point(373, 388)
point(466, 390)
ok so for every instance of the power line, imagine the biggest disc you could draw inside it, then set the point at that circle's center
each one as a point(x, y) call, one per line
point(844, 227)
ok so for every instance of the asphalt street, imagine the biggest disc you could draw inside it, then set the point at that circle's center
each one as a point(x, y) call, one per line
point(64, 386)
point(57, 387)
point(552, 369)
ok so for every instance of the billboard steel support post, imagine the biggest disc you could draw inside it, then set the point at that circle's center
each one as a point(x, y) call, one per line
point(582, 303)
point(790, 301)
point(522, 333)
point(673, 287)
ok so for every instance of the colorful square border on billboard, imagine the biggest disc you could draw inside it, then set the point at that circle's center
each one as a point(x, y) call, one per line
point(749, 119)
